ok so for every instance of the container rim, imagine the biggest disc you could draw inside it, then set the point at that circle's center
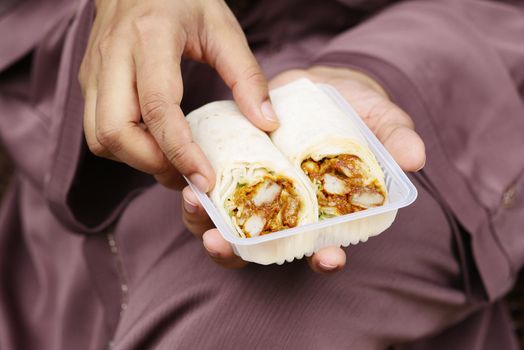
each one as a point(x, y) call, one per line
point(390, 165)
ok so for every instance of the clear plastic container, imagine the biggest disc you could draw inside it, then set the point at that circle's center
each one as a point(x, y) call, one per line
point(295, 243)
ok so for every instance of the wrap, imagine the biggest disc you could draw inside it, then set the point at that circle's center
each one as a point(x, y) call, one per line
point(257, 190)
point(321, 141)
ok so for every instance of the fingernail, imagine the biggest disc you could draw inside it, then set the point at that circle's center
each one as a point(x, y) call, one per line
point(327, 266)
point(190, 207)
point(268, 112)
point(199, 181)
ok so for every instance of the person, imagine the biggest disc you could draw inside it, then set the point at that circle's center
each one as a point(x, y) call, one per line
point(93, 249)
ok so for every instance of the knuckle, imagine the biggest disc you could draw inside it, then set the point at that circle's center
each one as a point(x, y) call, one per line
point(178, 155)
point(161, 167)
point(109, 138)
point(381, 111)
point(254, 74)
point(164, 167)
point(154, 106)
point(218, 14)
point(149, 24)
point(105, 43)
point(96, 148)
point(142, 26)
point(164, 174)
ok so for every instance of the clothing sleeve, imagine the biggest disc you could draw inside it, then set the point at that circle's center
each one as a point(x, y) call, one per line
point(41, 116)
point(457, 68)
point(85, 192)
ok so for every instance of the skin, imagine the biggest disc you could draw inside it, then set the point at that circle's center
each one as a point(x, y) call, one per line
point(131, 81)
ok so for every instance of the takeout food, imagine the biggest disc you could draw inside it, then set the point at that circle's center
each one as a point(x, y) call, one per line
point(321, 141)
point(317, 164)
point(257, 190)
point(242, 154)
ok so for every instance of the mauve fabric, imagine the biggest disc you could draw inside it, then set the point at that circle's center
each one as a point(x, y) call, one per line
point(94, 255)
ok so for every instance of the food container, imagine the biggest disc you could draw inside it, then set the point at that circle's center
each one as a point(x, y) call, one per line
point(353, 228)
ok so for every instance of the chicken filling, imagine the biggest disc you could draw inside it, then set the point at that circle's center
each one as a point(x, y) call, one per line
point(270, 205)
point(342, 185)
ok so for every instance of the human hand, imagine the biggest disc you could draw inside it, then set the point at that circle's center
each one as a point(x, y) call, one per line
point(131, 80)
point(393, 127)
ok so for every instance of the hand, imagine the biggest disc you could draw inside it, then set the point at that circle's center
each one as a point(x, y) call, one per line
point(131, 80)
point(393, 127)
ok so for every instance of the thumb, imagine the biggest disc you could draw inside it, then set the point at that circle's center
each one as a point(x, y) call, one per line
point(229, 53)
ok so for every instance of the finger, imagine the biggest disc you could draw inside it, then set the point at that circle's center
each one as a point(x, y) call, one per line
point(159, 84)
point(193, 214)
point(406, 147)
point(395, 129)
point(328, 260)
point(90, 97)
point(228, 52)
point(118, 114)
point(221, 251)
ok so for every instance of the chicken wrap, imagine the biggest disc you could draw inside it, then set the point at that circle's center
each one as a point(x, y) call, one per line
point(257, 190)
point(322, 142)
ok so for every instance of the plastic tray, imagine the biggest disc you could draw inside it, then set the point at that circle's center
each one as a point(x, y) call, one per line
point(353, 228)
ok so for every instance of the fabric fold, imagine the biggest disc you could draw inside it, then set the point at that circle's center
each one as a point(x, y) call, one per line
point(428, 79)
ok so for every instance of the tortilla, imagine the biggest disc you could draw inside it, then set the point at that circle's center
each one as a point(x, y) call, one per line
point(257, 190)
